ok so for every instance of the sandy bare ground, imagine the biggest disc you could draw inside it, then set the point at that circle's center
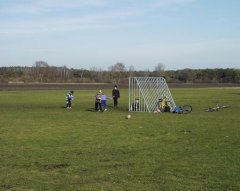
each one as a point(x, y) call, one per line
point(53, 86)
point(92, 86)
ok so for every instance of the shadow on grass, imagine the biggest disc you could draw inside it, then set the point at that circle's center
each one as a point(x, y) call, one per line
point(235, 94)
point(93, 109)
point(90, 110)
point(52, 166)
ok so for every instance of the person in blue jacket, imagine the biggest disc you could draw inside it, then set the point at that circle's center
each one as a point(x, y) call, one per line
point(104, 102)
point(69, 98)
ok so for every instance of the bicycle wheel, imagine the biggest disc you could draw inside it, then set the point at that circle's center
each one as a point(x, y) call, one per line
point(224, 106)
point(186, 109)
point(211, 109)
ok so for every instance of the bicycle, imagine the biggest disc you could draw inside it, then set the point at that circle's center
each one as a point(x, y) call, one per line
point(217, 108)
point(185, 109)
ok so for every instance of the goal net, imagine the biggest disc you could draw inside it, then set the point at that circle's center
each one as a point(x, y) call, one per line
point(145, 92)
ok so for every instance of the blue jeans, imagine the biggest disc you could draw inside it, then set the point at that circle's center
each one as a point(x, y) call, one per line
point(104, 104)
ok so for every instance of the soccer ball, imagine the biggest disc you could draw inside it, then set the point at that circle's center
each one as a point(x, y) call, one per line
point(128, 116)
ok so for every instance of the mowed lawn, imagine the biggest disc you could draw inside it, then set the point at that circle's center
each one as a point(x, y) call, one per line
point(43, 146)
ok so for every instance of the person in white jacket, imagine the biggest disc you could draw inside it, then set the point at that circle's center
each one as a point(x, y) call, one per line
point(98, 98)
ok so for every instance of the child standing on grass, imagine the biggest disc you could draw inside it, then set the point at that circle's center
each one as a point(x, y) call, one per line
point(116, 96)
point(69, 98)
point(98, 98)
point(104, 102)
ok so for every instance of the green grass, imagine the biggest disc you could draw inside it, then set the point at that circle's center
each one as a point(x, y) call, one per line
point(46, 147)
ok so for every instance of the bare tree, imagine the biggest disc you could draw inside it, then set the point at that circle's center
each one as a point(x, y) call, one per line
point(82, 72)
point(39, 70)
point(146, 73)
point(41, 64)
point(116, 72)
point(97, 74)
point(131, 70)
point(64, 73)
point(159, 69)
point(118, 67)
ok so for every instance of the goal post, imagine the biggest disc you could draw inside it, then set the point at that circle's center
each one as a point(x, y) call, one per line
point(144, 93)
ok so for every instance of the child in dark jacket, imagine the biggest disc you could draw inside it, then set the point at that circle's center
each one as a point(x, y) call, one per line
point(115, 95)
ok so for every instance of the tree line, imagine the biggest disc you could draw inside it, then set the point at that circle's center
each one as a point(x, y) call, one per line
point(118, 73)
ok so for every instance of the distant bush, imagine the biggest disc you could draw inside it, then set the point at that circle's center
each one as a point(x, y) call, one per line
point(46, 73)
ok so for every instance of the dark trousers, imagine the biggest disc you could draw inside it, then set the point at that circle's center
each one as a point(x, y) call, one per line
point(98, 106)
point(69, 103)
point(115, 102)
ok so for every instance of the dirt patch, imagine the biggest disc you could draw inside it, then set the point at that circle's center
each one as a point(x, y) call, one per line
point(92, 86)
point(54, 86)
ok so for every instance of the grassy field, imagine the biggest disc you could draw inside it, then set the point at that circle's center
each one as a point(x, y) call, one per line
point(43, 146)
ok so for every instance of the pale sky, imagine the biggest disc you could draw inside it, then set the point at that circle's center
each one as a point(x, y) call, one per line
point(180, 34)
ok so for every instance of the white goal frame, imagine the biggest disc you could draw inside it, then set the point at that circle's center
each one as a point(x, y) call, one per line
point(147, 91)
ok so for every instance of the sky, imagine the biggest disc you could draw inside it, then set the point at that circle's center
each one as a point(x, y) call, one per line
point(88, 34)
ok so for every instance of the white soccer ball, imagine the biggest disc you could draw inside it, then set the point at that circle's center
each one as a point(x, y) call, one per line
point(128, 116)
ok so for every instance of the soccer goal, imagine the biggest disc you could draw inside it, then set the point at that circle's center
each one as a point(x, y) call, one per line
point(145, 92)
